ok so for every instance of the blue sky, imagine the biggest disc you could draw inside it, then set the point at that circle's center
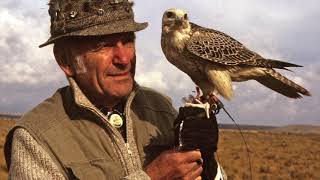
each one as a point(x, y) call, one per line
point(286, 29)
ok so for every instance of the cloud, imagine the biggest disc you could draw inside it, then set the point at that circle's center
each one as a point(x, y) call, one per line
point(28, 74)
point(22, 60)
point(150, 76)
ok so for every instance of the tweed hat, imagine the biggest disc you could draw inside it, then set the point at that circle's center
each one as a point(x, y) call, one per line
point(90, 18)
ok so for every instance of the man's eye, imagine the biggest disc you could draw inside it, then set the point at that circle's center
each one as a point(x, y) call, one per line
point(170, 15)
point(128, 39)
point(185, 16)
point(100, 46)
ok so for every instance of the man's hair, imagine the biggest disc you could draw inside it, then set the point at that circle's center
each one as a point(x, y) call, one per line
point(60, 51)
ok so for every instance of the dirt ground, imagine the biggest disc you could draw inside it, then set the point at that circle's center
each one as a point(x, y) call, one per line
point(274, 155)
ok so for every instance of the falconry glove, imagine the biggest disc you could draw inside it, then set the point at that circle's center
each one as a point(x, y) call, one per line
point(194, 130)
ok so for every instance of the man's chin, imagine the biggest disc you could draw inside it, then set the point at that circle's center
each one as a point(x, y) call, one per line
point(121, 89)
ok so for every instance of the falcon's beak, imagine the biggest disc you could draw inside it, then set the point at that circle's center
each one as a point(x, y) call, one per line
point(179, 21)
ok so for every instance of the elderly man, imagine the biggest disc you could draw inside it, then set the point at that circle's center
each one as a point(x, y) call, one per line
point(103, 125)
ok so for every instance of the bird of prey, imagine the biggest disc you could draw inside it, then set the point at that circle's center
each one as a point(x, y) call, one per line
point(213, 59)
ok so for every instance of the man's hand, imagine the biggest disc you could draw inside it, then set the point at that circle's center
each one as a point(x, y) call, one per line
point(174, 164)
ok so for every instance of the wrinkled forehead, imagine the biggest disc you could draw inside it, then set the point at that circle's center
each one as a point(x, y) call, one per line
point(177, 12)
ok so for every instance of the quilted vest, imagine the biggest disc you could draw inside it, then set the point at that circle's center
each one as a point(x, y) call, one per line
point(81, 141)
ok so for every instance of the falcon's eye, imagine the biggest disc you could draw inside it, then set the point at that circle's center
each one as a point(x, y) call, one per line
point(185, 16)
point(170, 15)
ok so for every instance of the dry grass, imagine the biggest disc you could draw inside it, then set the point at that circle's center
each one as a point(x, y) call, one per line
point(5, 125)
point(276, 156)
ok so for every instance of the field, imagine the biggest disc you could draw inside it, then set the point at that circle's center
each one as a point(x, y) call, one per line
point(276, 154)
point(4, 127)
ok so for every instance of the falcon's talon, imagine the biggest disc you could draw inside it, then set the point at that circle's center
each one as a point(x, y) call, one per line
point(198, 101)
point(205, 106)
point(208, 102)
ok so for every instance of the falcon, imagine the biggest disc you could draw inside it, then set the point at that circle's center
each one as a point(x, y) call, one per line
point(213, 59)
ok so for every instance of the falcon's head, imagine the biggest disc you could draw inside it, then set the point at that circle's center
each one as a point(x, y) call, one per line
point(175, 20)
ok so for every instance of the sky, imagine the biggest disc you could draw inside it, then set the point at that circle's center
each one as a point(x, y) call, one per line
point(286, 30)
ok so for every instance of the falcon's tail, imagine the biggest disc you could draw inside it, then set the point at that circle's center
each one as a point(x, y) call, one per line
point(282, 85)
point(272, 63)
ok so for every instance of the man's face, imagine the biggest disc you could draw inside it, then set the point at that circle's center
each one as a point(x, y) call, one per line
point(104, 67)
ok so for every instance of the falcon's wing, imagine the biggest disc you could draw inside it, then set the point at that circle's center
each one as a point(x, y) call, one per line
point(218, 47)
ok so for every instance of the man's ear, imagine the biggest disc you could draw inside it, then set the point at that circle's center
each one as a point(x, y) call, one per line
point(63, 58)
point(67, 69)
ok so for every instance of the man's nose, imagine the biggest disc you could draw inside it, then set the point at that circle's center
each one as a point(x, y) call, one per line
point(122, 55)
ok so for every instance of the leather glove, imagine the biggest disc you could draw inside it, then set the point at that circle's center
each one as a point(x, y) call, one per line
point(193, 130)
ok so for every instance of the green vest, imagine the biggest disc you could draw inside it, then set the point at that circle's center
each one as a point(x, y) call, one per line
point(79, 139)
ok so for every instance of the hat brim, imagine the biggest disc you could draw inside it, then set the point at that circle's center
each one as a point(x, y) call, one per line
point(122, 26)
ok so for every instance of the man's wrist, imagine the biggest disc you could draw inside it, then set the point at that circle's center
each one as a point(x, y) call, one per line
point(141, 175)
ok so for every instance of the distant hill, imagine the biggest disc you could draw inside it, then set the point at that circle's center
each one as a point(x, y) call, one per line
point(4, 116)
point(246, 127)
point(303, 129)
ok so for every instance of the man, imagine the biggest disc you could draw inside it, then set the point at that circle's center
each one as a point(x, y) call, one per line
point(103, 125)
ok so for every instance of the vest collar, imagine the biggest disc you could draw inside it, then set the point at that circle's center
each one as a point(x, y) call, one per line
point(81, 99)
point(127, 149)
